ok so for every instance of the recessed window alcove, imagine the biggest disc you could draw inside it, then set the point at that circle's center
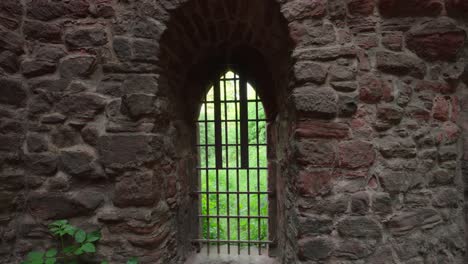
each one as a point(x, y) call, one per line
point(210, 46)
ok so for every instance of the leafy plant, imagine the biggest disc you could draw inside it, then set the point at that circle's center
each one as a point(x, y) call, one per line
point(73, 243)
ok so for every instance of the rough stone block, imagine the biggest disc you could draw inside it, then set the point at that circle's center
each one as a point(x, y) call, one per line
point(77, 66)
point(359, 227)
point(316, 153)
point(356, 154)
point(321, 129)
point(313, 102)
point(137, 189)
point(400, 64)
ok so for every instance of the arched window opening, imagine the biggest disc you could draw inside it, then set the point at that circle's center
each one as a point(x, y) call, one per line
point(232, 171)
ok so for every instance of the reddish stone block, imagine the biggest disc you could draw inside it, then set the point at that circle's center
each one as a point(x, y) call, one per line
point(448, 133)
point(393, 40)
point(437, 87)
point(404, 8)
point(366, 41)
point(455, 109)
point(361, 7)
point(441, 108)
point(456, 7)
point(321, 129)
point(356, 154)
point(437, 39)
point(313, 183)
point(370, 89)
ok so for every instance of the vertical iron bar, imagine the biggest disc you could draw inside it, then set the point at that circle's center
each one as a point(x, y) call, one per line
point(227, 166)
point(244, 136)
point(237, 163)
point(218, 149)
point(207, 165)
point(258, 175)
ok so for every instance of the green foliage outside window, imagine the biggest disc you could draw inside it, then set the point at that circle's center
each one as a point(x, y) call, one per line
point(252, 179)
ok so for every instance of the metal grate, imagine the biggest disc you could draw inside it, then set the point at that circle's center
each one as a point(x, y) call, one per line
point(232, 168)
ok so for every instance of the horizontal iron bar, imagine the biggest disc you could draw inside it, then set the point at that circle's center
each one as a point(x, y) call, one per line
point(233, 241)
point(233, 216)
point(233, 101)
point(233, 192)
point(231, 120)
point(233, 168)
point(230, 145)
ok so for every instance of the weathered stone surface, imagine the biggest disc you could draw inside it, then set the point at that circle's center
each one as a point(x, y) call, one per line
point(382, 203)
point(79, 162)
point(138, 105)
point(342, 73)
point(77, 66)
point(356, 154)
point(36, 143)
point(52, 205)
point(388, 115)
point(147, 84)
point(9, 61)
point(82, 106)
point(354, 249)
point(371, 89)
point(325, 54)
point(11, 41)
point(65, 136)
point(437, 39)
point(321, 129)
point(42, 164)
point(122, 48)
point(310, 72)
point(316, 153)
point(34, 68)
point(345, 87)
point(145, 50)
point(301, 9)
point(441, 108)
point(313, 183)
point(457, 8)
point(396, 147)
point(137, 189)
point(359, 227)
point(447, 198)
point(313, 102)
point(347, 105)
point(393, 40)
point(128, 150)
point(310, 33)
point(314, 225)
point(86, 37)
point(44, 32)
point(400, 64)
point(12, 92)
point(361, 7)
point(360, 203)
point(402, 8)
point(315, 248)
point(47, 10)
point(399, 181)
point(10, 143)
point(405, 222)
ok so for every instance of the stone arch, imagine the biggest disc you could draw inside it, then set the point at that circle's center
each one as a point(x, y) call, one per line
point(202, 39)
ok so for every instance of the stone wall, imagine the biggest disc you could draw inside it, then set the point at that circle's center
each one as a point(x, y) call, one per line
point(368, 112)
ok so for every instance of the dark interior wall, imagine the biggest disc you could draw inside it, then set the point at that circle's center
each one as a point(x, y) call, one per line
point(367, 108)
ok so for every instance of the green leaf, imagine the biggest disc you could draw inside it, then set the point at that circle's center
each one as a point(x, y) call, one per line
point(80, 236)
point(51, 253)
point(88, 247)
point(70, 230)
point(133, 260)
point(59, 223)
point(35, 255)
point(50, 261)
point(69, 249)
point(104, 262)
point(78, 252)
point(93, 236)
